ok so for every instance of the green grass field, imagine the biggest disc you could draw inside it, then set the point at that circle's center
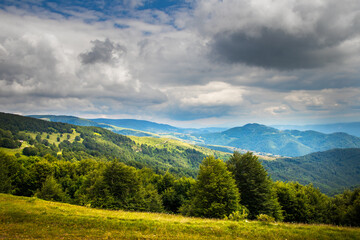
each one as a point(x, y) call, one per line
point(32, 218)
point(174, 145)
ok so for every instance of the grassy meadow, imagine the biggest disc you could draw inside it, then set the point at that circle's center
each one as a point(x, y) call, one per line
point(176, 145)
point(32, 218)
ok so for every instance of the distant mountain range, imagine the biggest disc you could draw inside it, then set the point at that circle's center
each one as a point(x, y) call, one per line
point(352, 128)
point(333, 169)
point(252, 137)
point(291, 143)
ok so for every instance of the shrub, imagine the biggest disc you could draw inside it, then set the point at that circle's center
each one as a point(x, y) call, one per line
point(265, 218)
point(239, 215)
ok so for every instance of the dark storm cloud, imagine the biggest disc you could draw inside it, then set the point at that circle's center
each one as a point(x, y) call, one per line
point(275, 49)
point(280, 35)
point(103, 52)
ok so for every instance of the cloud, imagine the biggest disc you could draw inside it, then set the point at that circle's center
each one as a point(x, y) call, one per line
point(274, 49)
point(282, 35)
point(103, 52)
point(40, 66)
point(214, 99)
point(226, 61)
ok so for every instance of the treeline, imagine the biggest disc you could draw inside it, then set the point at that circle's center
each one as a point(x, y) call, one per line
point(100, 184)
point(237, 189)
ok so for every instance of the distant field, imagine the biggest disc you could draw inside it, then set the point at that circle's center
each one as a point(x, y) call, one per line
point(32, 218)
point(53, 136)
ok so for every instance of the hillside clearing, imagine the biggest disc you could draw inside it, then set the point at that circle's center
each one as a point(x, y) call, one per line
point(32, 218)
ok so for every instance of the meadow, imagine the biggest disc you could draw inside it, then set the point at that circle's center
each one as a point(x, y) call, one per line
point(33, 218)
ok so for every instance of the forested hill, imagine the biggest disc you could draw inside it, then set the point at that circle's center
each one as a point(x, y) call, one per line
point(67, 119)
point(332, 171)
point(69, 142)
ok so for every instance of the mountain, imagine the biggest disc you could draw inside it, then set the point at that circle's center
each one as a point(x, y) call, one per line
point(87, 122)
point(141, 125)
point(67, 119)
point(153, 127)
point(252, 137)
point(292, 143)
point(352, 128)
point(331, 171)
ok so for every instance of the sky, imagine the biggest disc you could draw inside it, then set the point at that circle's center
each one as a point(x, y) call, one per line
point(189, 63)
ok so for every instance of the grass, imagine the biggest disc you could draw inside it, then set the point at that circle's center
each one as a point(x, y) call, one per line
point(32, 218)
point(175, 145)
point(53, 136)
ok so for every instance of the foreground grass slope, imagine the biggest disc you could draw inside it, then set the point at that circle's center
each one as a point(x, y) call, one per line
point(31, 218)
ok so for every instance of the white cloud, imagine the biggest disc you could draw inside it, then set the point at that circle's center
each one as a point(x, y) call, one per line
point(142, 65)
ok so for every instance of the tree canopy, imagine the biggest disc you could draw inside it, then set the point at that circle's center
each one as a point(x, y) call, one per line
point(254, 184)
point(214, 194)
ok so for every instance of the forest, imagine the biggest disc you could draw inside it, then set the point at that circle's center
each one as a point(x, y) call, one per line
point(93, 167)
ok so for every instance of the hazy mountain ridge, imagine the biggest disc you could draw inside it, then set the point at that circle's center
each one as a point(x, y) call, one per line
point(141, 125)
point(352, 128)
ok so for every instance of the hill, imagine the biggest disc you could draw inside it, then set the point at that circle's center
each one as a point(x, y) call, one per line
point(331, 171)
point(67, 119)
point(292, 143)
point(141, 125)
point(30, 218)
point(96, 142)
point(87, 122)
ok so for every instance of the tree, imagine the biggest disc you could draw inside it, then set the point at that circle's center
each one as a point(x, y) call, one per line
point(30, 151)
point(214, 193)
point(51, 190)
point(123, 184)
point(347, 208)
point(6, 163)
point(304, 204)
point(174, 197)
point(38, 138)
point(255, 186)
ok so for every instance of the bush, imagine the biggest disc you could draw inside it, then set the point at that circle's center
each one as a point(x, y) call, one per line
point(238, 215)
point(265, 218)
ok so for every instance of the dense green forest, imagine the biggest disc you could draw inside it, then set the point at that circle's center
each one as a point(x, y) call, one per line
point(331, 171)
point(97, 168)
